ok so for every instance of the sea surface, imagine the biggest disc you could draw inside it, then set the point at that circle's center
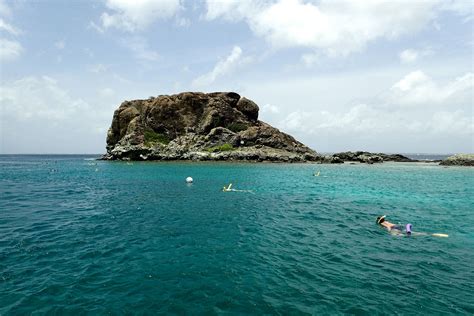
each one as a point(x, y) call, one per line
point(79, 236)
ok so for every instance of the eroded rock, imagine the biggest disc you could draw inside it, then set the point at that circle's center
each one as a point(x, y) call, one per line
point(199, 126)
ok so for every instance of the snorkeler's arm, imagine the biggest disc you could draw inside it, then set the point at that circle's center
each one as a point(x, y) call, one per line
point(387, 225)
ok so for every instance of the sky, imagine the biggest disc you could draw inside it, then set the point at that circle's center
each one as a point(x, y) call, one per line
point(375, 75)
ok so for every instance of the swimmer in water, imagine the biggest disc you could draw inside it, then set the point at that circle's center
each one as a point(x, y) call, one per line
point(389, 226)
point(228, 188)
point(399, 230)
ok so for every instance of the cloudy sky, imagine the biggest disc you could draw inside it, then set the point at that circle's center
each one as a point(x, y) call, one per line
point(390, 76)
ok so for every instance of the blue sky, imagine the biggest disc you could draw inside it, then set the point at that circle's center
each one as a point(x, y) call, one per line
point(390, 76)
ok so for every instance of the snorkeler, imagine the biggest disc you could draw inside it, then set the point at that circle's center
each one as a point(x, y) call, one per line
point(391, 226)
point(399, 230)
point(228, 188)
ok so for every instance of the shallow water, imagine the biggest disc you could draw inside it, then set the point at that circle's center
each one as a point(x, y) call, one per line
point(84, 236)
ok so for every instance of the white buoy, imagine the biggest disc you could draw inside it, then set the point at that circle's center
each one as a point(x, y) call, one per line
point(189, 180)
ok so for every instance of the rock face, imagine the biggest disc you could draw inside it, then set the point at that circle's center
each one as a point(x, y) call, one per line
point(370, 158)
point(199, 126)
point(459, 160)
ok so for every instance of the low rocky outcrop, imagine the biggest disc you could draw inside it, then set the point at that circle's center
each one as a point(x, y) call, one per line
point(199, 126)
point(459, 160)
point(370, 158)
point(329, 159)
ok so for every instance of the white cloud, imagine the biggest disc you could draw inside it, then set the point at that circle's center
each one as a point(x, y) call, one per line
point(139, 47)
point(183, 22)
point(268, 108)
point(311, 59)
point(94, 26)
point(232, 10)
point(121, 79)
point(409, 56)
point(417, 113)
point(39, 115)
point(88, 52)
point(138, 14)
point(4, 9)
point(362, 120)
point(457, 123)
point(60, 45)
point(461, 7)
point(9, 50)
point(413, 79)
point(106, 92)
point(335, 27)
point(417, 88)
point(222, 68)
point(4, 26)
point(98, 68)
point(38, 98)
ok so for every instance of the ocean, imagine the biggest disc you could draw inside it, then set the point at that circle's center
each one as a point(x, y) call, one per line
point(80, 236)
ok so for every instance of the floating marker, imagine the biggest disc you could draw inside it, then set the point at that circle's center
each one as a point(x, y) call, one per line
point(189, 180)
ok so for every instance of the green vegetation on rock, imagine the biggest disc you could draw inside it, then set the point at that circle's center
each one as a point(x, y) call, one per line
point(216, 121)
point(237, 127)
point(152, 138)
point(225, 147)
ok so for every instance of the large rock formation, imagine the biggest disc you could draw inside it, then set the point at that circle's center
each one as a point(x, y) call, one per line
point(199, 126)
point(459, 160)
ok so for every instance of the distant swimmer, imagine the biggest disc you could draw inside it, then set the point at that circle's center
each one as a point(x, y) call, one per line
point(229, 189)
point(400, 230)
point(317, 173)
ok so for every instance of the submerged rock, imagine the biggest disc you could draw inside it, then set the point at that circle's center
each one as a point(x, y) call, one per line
point(199, 126)
point(459, 160)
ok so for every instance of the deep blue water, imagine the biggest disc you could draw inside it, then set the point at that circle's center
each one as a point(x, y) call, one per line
point(92, 237)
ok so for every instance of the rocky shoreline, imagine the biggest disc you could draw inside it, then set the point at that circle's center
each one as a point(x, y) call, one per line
point(459, 160)
point(370, 158)
point(219, 126)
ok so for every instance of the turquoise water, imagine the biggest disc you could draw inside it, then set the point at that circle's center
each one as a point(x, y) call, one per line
point(81, 236)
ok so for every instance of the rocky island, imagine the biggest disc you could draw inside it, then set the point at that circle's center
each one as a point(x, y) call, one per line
point(459, 160)
point(199, 126)
point(211, 126)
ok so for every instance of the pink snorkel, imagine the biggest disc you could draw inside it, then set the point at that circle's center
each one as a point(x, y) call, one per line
point(408, 229)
